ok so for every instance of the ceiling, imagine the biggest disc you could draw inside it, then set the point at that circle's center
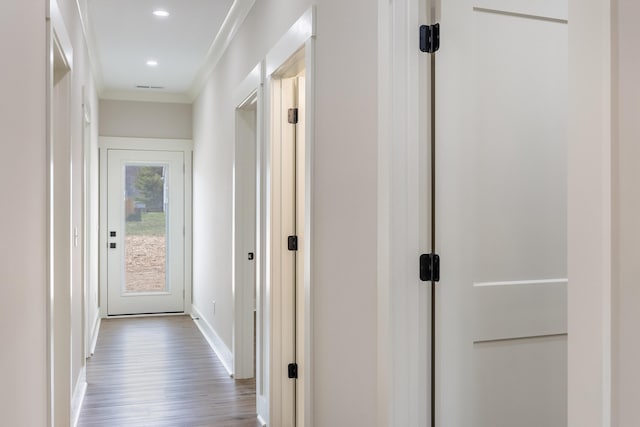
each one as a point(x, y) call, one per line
point(126, 35)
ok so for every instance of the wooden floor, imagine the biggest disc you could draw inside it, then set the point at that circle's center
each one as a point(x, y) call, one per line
point(160, 371)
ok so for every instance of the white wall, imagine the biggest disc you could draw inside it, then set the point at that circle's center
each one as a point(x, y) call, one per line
point(137, 119)
point(626, 294)
point(213, 134)
point(344, 205)
point(344, 213)
point(23, 358)
point(23, 309)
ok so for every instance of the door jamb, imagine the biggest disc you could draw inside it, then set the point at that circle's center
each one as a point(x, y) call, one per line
point(404, 303)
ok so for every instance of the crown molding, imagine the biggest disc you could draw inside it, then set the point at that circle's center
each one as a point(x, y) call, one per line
point(237, 13)
point(90, 41)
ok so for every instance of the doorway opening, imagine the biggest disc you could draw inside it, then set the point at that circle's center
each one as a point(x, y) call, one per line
point(244, 259)
point(289, 244)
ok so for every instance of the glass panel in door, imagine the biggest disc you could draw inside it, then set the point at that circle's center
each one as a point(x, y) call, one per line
point(145, 213)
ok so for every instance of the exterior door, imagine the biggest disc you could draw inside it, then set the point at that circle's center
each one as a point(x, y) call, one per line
point(145, 217)
point(500, 216)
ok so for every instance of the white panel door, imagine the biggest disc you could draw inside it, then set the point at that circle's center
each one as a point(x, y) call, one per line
point(145, 235)
point(501, 197)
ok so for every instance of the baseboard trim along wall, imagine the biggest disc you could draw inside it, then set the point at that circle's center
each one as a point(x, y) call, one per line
point(216, 343)
point(78, 396)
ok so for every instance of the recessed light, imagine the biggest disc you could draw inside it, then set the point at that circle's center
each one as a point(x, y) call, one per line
point(152, 63)
point(161, 13)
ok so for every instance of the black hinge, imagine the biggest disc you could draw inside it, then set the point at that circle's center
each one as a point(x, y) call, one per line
point(430, 38)
point(430, 267)
point(293, 116)
point(292, 243)
point(293, 370)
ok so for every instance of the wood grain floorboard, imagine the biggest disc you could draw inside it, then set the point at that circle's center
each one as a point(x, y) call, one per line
point(160, 372)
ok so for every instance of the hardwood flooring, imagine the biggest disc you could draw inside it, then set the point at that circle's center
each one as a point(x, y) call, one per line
point(160, 372)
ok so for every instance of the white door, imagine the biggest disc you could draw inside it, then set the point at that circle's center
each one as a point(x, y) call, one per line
point(145, 235)
point(501, 197)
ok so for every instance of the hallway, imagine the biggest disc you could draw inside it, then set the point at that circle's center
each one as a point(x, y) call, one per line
point(160, 371)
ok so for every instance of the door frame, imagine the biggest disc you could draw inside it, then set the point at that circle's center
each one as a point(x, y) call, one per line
point(301, 35)
point(590, 259)
point(404, 302)
point(59, 274)
point(250, 86)
point(147, 144)
point(244, 189)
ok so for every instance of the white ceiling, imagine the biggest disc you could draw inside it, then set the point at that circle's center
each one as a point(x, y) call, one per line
point(126, 34)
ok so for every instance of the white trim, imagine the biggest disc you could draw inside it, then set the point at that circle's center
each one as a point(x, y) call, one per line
point(243, 298)
point(102, 238)
point(263, 297)
point(90, 40)
point(236, 16)
point(95, 331)
point(152, 144)
point(129, 316)
point(310, 132)
point(523, 282)
point(57, 164)
point(215, 342)
point(248, 86)
point(590, 218)
point(145, 95)
point(60, 33)
point(87, 238)
point(79, 392)
point(262, 422)
point(403, 215)
point(188, 229)
point(292, 41)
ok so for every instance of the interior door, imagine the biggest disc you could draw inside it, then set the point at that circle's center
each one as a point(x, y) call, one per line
point(145, 217)
point(500, 216)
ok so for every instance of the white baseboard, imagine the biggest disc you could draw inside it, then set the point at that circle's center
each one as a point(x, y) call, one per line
point(78, 396)
point(95, 329)
point(262, 408)
point(216, 343)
